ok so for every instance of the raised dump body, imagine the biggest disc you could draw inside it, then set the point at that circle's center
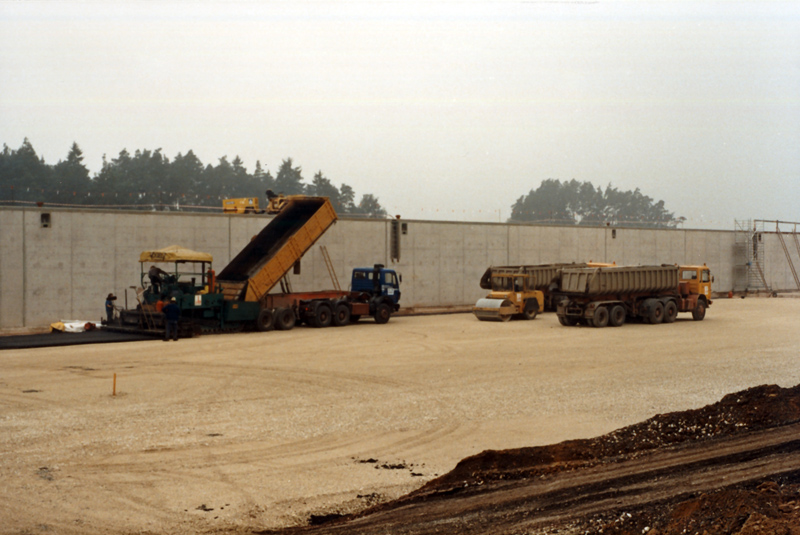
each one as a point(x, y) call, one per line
point(274, 251)
point(619, 280)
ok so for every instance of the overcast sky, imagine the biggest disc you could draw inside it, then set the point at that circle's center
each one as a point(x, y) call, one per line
point(443, 109)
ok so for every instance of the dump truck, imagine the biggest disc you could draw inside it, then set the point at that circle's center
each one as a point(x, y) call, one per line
point(654, 294)
point(240, 295)
point(513, 294)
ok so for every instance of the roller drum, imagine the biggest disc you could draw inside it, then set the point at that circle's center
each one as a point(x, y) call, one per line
point(488, 309)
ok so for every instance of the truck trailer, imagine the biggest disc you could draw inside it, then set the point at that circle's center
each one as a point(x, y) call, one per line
point(611, 295)
point(241, 295)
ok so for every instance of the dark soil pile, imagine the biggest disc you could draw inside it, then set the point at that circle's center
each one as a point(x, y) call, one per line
point(771, 507)
point(754, 409)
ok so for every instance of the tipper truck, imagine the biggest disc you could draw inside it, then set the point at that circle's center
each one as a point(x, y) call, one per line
point(239, 296)
point(611, 295)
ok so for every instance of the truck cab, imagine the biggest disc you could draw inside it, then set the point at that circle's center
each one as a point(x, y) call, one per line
point(694, 286)
point(696, 280)
point(378, 282)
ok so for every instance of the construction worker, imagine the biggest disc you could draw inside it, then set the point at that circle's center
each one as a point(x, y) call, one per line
point(110, 298)
point(155, 274)
point(172, 313)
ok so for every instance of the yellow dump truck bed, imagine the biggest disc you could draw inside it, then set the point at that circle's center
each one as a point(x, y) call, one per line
point(272, 253)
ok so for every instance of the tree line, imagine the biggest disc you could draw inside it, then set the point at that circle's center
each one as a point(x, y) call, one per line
point(147, 179)
point(580, 203)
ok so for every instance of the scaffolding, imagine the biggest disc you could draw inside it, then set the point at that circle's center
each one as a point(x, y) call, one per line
point(751, 252)
point(750, 261)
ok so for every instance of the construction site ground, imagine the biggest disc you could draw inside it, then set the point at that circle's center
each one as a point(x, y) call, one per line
point(428, 424)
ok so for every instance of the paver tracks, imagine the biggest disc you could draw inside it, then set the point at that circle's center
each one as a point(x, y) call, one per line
point(523, 506)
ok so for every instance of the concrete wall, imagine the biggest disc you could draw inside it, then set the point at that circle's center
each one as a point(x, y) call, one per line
point(65, 270)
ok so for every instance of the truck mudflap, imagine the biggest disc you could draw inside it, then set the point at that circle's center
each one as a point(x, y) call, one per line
point(570, 313)
point(566, 308)
point(488, 309)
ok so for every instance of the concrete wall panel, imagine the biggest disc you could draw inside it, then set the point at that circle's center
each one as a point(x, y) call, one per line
point(12, 269)
point(65, 271)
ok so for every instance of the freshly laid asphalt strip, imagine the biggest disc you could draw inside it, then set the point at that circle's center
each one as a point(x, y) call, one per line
point(99, 336)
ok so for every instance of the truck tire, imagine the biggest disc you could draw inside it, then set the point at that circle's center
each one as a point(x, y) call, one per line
point(670, 311)
point(531, 310)
point(600, 317)
point(284, 319)
point(616, 317)
point(568, 321)
point(655, 312)
point(699, 311)
point(341, 314)
point(382, 313)
point(322, 315)
point(265, 320)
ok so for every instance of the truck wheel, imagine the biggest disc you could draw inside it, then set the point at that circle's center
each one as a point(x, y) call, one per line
point(670, 311)
point(617, 316)
point(600, 317)
point(530, 312)
point(567, 321)
point(341, 315)
point(699, 311)
point(265, 320)
point(383, 313)
point(322, 315)
point(284, 319)
point(656, 313)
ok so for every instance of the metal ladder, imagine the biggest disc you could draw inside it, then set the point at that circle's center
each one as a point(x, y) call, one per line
point(328, 264)
point(786, 251)
point(149, 321)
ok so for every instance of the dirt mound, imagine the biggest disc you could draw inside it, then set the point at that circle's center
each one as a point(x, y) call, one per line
point(770, 507)
point(750, 410)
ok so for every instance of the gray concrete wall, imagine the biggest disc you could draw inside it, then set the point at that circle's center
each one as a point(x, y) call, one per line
point(64, 271)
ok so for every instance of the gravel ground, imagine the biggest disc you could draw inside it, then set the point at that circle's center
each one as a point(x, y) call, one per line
point(263, 430)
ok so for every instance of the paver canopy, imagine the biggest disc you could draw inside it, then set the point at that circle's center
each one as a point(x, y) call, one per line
point(174, 253)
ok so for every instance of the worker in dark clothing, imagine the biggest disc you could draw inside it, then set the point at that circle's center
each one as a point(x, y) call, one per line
point(172, 313)
point(155, 274)
point(110, 307)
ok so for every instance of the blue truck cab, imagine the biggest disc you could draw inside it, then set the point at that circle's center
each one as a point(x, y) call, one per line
point(379, 282)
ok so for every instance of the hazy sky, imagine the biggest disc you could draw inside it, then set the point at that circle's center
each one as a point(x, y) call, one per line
point(443, 109)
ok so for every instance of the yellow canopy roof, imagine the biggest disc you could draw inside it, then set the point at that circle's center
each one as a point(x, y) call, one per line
point(174, 253)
